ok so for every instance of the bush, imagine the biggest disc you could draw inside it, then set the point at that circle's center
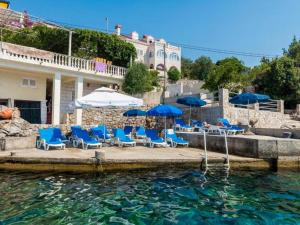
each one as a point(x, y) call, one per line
point(155, 78)
point(137, 80)
point(174, 74)
point(86, 44)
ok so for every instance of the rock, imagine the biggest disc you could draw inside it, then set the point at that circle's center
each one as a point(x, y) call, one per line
point(16, 127)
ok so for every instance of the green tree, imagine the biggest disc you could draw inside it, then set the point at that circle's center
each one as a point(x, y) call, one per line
point(201, 68)
point(280, 80)
point(154, 78)
point(137, 80)
point(186, 67)
point(86, 44)
point(257, 72)
point(174, 74)
point(228, 73)
point(293, 51)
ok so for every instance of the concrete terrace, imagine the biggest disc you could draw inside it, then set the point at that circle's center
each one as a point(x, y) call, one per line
point(77, 160)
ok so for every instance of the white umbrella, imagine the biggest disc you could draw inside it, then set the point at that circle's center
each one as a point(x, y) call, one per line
point(104, 97)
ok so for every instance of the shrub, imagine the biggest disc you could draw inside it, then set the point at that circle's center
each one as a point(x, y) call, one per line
point(174, 74)
point(137, 80)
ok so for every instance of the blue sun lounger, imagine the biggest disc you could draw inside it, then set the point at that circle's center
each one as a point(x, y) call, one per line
point(153, 139)
point(49, 138)
point(128, 130)
point(230, 128)
point(73, 136)
point(140, 132)
point(182, 126)
point(198, 125)
point(106, 135)
point(121, 139)
point(85, 140)
point(174, 140)
point(97, 132)
point(57, 133)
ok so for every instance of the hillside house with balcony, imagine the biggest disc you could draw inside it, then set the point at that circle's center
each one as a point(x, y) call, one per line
point(150, 51)
point(42, 84)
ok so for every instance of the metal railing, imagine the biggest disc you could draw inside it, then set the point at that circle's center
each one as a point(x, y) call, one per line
point(271, 105)
point(66, 62)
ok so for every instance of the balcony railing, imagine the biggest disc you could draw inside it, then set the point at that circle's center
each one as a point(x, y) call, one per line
point(65, 62)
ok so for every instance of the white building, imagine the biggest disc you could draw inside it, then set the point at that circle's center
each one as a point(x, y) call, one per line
point(150, 51)
point(42, 84)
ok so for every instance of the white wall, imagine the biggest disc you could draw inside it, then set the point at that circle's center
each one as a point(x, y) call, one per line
point(68, 91)
point(11, 86)
point(155, 60)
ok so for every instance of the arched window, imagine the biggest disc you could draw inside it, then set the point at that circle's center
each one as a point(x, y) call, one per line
point(174, 56)
point(160, 67)
point(150, 54)
point(160, 53)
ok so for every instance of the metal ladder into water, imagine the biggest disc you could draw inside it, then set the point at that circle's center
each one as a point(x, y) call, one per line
point(217, 166)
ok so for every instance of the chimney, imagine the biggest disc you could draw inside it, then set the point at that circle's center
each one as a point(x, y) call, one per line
point(148, 38)
point(134, 35)
point(118, 29)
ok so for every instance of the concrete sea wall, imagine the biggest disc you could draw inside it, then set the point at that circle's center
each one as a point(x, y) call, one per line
point(255, 147)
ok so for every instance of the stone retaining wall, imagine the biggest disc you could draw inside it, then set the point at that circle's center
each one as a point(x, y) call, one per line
point(265, 119)
point(112, 117)
point(260, 118)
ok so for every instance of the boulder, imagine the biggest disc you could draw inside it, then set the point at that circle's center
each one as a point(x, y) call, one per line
point(15, 127)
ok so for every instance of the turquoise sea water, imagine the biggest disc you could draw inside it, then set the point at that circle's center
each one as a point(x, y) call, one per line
point(150, 197)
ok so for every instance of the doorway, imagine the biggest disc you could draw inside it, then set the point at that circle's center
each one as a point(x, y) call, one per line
point(30, 110)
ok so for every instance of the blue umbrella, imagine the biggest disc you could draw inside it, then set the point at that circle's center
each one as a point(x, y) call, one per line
point(191, 102)
point(248, 98)
point(165, 111)
point(134, 113)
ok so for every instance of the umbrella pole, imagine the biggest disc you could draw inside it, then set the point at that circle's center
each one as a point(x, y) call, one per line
point(165, 129)
point(104, 139)
point(190, 115)
point(248, 113)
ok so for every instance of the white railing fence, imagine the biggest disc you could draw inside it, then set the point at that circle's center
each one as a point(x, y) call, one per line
point(69, 62)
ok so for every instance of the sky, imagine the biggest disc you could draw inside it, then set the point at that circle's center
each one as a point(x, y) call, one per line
point(257, 26)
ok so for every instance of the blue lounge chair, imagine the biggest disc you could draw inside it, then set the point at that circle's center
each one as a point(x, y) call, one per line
point(174, 140)
point(140, 132)
point(197, 124)
point(106, 134)
point(181, 125)
point(48, 138)
point(230, 128)
point(57, 133)
point(85, 140)
point(73, 137)
point(99, 135)
point(121, 138)
point(128, 130)
point(153, 139)
point(201, 126)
